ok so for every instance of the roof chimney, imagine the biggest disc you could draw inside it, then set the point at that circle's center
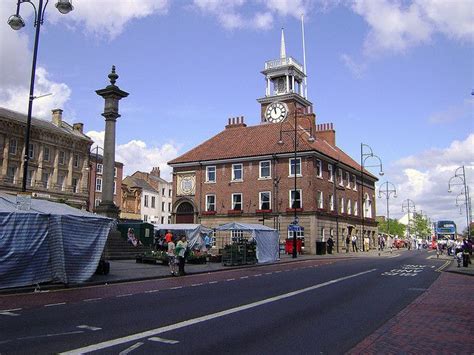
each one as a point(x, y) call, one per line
point(235, 122)
point(155, 171)
point(57, 117)
point(78, 127)
point(325, 131)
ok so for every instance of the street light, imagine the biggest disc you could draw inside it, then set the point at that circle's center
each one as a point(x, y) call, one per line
point(366, 152)
point(408, 205)
point(389, 190)
point(298, 111)
point(459, 179)
point(16, 22)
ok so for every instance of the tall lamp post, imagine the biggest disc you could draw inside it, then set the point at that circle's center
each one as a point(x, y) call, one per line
point(408, 205)
point(459, 179)
point(294, 134)
point(16, 22)
point(366, 152)
point(388, 191)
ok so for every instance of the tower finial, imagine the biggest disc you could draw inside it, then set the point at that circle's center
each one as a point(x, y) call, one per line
point(282, 46)
point(113, 76)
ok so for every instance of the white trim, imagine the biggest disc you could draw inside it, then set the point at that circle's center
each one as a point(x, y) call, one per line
point(330, 173)
point(269, 200)
point(319, 164)
point(241, 172)
point(289, 167)
point(207, 174)
point(260, 177)
point(301, 198)
point(206, 205)
point(320, 199)
point(241, 201)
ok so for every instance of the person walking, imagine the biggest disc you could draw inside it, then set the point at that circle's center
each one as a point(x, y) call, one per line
point(172, 257)
point(180, 252)
point(354, 243)
point(348, 241)
point(366, 243)
point(330, 244)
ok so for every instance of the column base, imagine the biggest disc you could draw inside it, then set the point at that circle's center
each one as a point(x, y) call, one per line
point(108, 209)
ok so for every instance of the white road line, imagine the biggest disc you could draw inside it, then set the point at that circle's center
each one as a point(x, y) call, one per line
point(244, 277)
point(124, 295)
point(277, 272)
point(55, 304)
point(187, 323)
point(443, 266)
point(230, 280)
point(268, 273)
point(161, 340)
point(11, 314)
point(151, 291)
point(88, 327)
point(198, 284)
point(130, 349)
point(92, 299)
point(257, 275)
point(176, 288)
point(50, 335)
point(10, 310)
point(212, 282)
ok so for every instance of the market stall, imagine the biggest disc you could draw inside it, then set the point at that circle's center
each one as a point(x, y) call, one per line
point(50, 242)
point(266, 239)
point(194, 233)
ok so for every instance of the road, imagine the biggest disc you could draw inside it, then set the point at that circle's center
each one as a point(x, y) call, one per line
point(312, 306)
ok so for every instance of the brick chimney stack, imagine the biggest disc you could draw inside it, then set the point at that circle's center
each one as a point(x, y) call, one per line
point(78, 127)
point(325, 131)
point(155, 171)
point(235, 122)
point(57, 118)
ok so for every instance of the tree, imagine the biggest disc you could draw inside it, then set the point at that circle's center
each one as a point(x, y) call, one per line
point(396, 228)
point(420, 226)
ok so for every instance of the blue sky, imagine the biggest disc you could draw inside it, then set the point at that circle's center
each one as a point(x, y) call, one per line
point(396, 75)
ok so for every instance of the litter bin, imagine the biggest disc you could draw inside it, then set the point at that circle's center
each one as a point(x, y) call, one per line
point(320, 248)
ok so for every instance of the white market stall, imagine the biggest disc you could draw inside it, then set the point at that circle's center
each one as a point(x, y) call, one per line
point(267, 239)
point(50, 242)
point(194, 233)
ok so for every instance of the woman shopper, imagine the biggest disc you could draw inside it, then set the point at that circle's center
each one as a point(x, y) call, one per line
point(172, 258)
point(180, 252)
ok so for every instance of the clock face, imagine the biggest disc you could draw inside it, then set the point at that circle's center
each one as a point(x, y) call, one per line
point(276, 112)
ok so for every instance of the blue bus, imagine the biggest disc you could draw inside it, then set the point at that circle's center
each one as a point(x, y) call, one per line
point(445, 230)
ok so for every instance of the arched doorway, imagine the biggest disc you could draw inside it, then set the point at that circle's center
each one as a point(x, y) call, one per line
point(185, 213)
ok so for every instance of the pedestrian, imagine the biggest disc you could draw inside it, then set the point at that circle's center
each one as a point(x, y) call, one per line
point(207, 241)
point(354, 243)
point(466, 260)
point(172, 257)
point(181, 248)
point(348, 241)
point(330, 244)
point(366, 243)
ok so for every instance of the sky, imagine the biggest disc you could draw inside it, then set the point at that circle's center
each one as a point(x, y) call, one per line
point(396, 75)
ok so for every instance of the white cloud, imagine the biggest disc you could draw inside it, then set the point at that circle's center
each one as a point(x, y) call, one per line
point(424, 178)
point(357, 69)
point(150, 156)
point(454, 113)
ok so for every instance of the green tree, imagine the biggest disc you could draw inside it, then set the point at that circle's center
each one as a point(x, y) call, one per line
point(420, 226)
point(396, 228)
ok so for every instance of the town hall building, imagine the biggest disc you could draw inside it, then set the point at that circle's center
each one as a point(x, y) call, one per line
point(286, 168)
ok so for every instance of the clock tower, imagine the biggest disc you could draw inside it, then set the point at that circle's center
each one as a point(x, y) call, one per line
point(285, 85)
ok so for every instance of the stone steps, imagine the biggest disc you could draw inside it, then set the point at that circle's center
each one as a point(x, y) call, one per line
point(117, 248)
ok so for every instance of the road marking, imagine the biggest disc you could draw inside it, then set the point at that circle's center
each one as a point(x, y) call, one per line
point(88, 327)
point(8, 313)
point(230, 280)
point(406, 270)
point(244, 277)
point(187, 323)
point(161, 340)
point(151, 291)
point(92, 299)
point(277, 272)
point(212, 282)
point(124, 295)
point(55, 304)
point(194, 285)
point(268, 273)
point(176, 288)
point(50, 335)
point(257, 275)
point(130, 349)
point(441, 268)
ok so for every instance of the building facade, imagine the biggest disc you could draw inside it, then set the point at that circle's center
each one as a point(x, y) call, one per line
point(148, 197)
point(58, 166)
point(96, 181)
point(288, 167)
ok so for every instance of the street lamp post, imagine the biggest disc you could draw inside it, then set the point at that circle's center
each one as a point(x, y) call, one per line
point(366, 152)
point(408, 205)
point(16, 22)
point(459, 178)
point(389, 190)
point(294, 131)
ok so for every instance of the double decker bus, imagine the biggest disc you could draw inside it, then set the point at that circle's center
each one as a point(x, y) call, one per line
point(444, 231)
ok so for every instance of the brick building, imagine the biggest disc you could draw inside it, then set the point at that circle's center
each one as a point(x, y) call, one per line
point(58, 165)
point(248, 173)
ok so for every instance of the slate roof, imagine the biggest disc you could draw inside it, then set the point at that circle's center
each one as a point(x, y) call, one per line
point(136, 182)
point(260, 140)
point(65, 128)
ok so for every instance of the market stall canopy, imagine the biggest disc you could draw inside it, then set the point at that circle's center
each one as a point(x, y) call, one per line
point(267, 239)
point(50, 242)
point(194, 232)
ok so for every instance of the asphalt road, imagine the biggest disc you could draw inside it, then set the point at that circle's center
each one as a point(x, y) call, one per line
point(313, 306)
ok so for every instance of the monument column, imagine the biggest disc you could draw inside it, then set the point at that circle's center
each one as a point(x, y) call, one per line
point(112, 95)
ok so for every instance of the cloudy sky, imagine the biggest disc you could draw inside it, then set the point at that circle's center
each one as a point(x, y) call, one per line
point(394, 74)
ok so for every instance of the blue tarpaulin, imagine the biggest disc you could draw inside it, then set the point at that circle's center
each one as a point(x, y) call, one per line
point(51, 242)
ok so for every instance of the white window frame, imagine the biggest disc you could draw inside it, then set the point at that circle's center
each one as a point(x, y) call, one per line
point(233, 204)
point(46, 156)
point(342, 207)
point(208, 204)
point(319, 168)
point(297, 163)
point(291, 201)
point(62, 179)
point(76, 160)
point(145, 200)
point(207, 173)
point(260, 175)
point(349, 206)
point(354, 180)
point(340, 176)
point(320, 199)
point(153, 202)
point(115, 187)
point(331, 202)
point(100, 169)
point(260, 200)
point(97, 202)
point(348, 177)
point(356, 208)
point(115, 172)
point(98, 184)
point(330, 173)
point(234, 169)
